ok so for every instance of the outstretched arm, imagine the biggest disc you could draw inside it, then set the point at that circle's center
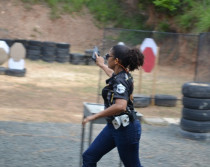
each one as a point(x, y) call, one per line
point(100, 63)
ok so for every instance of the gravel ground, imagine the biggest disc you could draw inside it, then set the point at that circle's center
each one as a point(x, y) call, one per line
point(56, 144)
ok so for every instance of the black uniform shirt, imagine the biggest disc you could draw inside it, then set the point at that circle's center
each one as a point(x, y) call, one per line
point(119, 86)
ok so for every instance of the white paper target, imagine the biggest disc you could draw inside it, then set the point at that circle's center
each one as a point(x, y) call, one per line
point(17, 51)
point(4, 46)
point(3, 56)
point(149, 42)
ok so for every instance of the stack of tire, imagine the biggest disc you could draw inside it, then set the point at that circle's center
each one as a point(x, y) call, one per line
point(62, 52)
point(195, 121)
point(140, 100)
point(77, 59)
point(34, 50)
point(49, 52)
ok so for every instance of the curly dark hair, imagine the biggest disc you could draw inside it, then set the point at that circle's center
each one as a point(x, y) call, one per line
point(129, 58)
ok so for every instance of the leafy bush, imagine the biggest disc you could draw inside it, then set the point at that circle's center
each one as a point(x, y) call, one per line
point(196, 19)
point(171, 5)
point(203, 24)
point(163, 26)
point(189, 15)
point(105, 11)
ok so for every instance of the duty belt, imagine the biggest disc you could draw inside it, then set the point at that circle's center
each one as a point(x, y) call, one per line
point(132, 117)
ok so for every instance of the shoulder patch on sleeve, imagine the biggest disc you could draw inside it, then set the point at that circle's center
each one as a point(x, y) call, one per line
point(120, 88)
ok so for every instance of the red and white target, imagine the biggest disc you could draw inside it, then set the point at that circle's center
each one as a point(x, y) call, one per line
point(149, 49)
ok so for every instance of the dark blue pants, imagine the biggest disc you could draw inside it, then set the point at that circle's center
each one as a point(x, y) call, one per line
point(126, 139)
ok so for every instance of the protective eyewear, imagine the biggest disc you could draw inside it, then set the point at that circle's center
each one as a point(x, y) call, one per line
point(107, 56)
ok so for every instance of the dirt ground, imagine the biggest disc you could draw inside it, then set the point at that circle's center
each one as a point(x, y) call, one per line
point(49, 92)
point(53, 92)
point(56, 92)
point(32, 22)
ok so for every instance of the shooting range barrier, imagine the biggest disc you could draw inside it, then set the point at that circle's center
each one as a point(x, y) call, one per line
point(52, 52)
point(187, 53)
point(195, 121)
point(182, 57)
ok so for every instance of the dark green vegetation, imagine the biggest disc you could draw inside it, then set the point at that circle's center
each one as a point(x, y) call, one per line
point(163, 15)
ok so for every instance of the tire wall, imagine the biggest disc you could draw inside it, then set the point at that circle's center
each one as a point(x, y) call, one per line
point(53, 52)
point(196, 110)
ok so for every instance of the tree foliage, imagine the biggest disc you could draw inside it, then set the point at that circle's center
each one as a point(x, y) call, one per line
point(187, 15)
point(170, 5)
point(196, 17)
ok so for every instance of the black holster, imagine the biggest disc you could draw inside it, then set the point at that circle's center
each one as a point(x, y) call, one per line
point(132, 116)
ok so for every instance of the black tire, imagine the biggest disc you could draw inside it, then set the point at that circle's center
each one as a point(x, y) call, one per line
point(196, 90)
point(35, 43)
point(49, 48)
point(63, 60)
point(33, 57)
point(16, 73)
point(49, 44)
point(195, 103)
point(48, 52)
point(49, 59)
point(89, 52)
point(140, 101)
point(30, 47)
point(70, 57)
point(62, 51)
point(195, 126)
point(2, 70)
point(196, 115)
point(195, 136)
point(165, 100)
point(34, 52)
point(63, 45)
point(63, 56)
point(77, 58)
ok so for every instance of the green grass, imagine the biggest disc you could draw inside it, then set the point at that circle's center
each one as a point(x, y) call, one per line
point(188, 15)
point(107, 12)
